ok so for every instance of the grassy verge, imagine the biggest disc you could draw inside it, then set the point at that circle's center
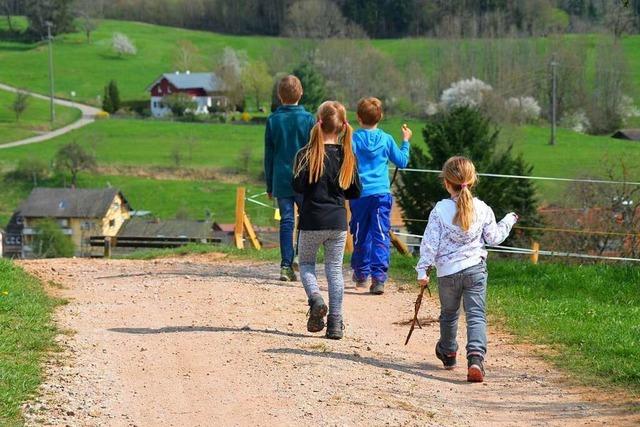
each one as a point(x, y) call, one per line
point(27, 334)
point(588, 316)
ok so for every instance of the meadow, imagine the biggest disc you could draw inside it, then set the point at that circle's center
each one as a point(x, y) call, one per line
point(33, 121)
point(27, 335)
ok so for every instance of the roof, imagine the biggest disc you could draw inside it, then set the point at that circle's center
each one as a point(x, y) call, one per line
point(207, 81)
point(225, 228)
point(142, 227)
point(630, 134)
point(69, 203)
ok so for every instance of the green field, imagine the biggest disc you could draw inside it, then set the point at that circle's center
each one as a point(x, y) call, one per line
point(164, 198)
point(26, 64)
point(27, 335)
point(33, 121)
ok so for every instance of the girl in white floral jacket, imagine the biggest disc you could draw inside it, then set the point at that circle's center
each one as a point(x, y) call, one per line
point(453, 242)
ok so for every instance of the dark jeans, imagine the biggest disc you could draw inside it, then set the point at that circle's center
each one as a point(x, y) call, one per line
point(470, 285)
point(287, 224)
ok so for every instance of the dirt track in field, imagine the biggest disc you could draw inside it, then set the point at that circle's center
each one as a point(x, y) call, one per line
point(207, 341)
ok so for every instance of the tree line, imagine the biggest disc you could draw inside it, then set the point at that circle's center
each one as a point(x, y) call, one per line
point(343, 18)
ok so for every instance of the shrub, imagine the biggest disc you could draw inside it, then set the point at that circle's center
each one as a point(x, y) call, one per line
point(122, 45)
point(101, 115)
point(50, 241)
point(179, 103)
point(524, 109)
point(31, 169)
point(576, 121)
point(465, 93)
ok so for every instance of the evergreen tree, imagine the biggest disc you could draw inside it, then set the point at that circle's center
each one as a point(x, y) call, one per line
point(107, 105)
point(114, 95)
point(313, 85)
point(465, 131)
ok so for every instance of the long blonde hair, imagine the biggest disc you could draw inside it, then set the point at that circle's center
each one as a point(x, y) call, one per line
point(331, 118)
point(460, 173)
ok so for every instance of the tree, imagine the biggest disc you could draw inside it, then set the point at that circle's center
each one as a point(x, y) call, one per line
point(229, 69)
point(73, 158)
point(620, 20)
point(107, 105)
point(10, 8)
point(58, 12)
point(88, 25)
point(122, 45)
point(30, 169)
point(20, 104)
point(114, 95)
point(50, 242)
point(179, 103)
point(256, 78)
point(318, 19)
point(315, 91)
point(185, 57)
point(465, 131)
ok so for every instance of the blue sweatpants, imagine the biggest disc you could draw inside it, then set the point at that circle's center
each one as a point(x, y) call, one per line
point(370, 225)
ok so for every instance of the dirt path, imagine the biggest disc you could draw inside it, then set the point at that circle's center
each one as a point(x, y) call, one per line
point(88, 116)
point(206, 341)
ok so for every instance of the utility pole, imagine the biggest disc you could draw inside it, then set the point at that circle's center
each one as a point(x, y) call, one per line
point(554, 99)
point(51, 89)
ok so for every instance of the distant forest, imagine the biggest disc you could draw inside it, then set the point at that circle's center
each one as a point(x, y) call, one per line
point(382, 18)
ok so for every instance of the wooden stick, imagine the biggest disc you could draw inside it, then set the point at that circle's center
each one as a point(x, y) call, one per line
point(399, 244)
point(535, 247)
point(349, 244)
point(239, 227)
point(251, 232)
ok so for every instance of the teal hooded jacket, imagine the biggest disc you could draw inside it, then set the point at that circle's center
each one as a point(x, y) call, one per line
point(288, 130)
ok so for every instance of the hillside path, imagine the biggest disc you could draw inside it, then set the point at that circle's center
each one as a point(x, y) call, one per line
point(210, 341)
point(88, 116)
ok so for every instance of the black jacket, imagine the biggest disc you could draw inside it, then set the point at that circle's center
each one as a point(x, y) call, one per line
point(323, 202)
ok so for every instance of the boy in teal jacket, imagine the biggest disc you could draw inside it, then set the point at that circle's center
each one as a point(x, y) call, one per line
point(288, 130)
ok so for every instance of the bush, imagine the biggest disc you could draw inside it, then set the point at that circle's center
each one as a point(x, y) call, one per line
point(179, 104)
point(465, 131)
point(465, 93)
point(50, 241)
point(101, 115)
point(31, 170)
point(122, 45)
point(524, 109)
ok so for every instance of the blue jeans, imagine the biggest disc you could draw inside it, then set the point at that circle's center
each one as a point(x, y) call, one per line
point(470, 285)
point(370, 225)
point(287, 224)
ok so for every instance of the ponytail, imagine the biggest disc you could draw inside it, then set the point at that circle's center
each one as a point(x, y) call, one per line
point(348, 168)
point(315, 156)
point(465, 211)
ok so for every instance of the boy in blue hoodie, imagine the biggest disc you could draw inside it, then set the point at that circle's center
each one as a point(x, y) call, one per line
point(288, 130)
point(371, 213)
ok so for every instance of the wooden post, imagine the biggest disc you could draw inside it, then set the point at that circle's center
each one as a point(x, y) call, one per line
point(251, 232)
point(535, 247)
point(399, 244)
point(107, 247)
point(239, 227)
point(348, 248)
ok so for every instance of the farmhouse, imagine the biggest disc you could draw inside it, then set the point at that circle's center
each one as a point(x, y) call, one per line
point(80, 213)
point(206, 89)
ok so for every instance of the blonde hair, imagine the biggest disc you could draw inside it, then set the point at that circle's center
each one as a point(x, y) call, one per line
point(331, 119)
point(460, 173)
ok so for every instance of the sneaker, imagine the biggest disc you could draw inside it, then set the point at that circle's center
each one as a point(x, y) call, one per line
point(317, 311)
point(377, 288)
point(287, 274)
point(296, 264)
point(448, 359)
point(475, 373)
point(335, 327)
point(359, 283)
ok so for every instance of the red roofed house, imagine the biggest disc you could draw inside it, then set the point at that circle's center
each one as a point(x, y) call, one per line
point(206, 89)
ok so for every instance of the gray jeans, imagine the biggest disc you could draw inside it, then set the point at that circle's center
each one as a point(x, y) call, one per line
point(308, 245)
point(470, 285)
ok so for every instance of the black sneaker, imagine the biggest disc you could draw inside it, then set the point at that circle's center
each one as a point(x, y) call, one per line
point(377, 288)
point(317, 311)
point(335, 327)
point(475, 373)
point(448, 359)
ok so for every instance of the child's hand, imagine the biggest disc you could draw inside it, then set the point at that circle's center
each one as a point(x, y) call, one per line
point(424, 282)
point(406, 133)
point(516, 216)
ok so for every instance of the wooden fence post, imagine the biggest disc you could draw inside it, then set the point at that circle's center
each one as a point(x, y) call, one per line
point(535, 247)
point(107, 247)
point(239, 226)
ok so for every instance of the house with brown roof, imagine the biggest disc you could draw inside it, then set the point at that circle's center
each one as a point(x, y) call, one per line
point(80, 213)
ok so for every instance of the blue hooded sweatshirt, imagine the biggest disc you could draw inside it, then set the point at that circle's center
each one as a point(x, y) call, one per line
point(374, 148)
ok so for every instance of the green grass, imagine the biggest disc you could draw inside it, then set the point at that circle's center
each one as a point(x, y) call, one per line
point(164, 198)
point(33, 121)
point(27, 335)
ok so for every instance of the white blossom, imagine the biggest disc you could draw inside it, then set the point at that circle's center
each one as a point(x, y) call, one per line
point(576, 121)
point(122, 45)
point(627, 108)
point(465, 93)
point(524, 108)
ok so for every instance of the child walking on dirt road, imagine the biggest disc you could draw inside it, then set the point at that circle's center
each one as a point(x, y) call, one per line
point(453, 241)
point(325, 173)
point(288, 130)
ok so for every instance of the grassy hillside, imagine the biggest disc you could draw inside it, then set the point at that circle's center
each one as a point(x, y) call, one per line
point(26, 64)
point(34, 120)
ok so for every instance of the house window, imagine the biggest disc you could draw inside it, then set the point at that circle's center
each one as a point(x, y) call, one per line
point(112, 223)
point(63, 222)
